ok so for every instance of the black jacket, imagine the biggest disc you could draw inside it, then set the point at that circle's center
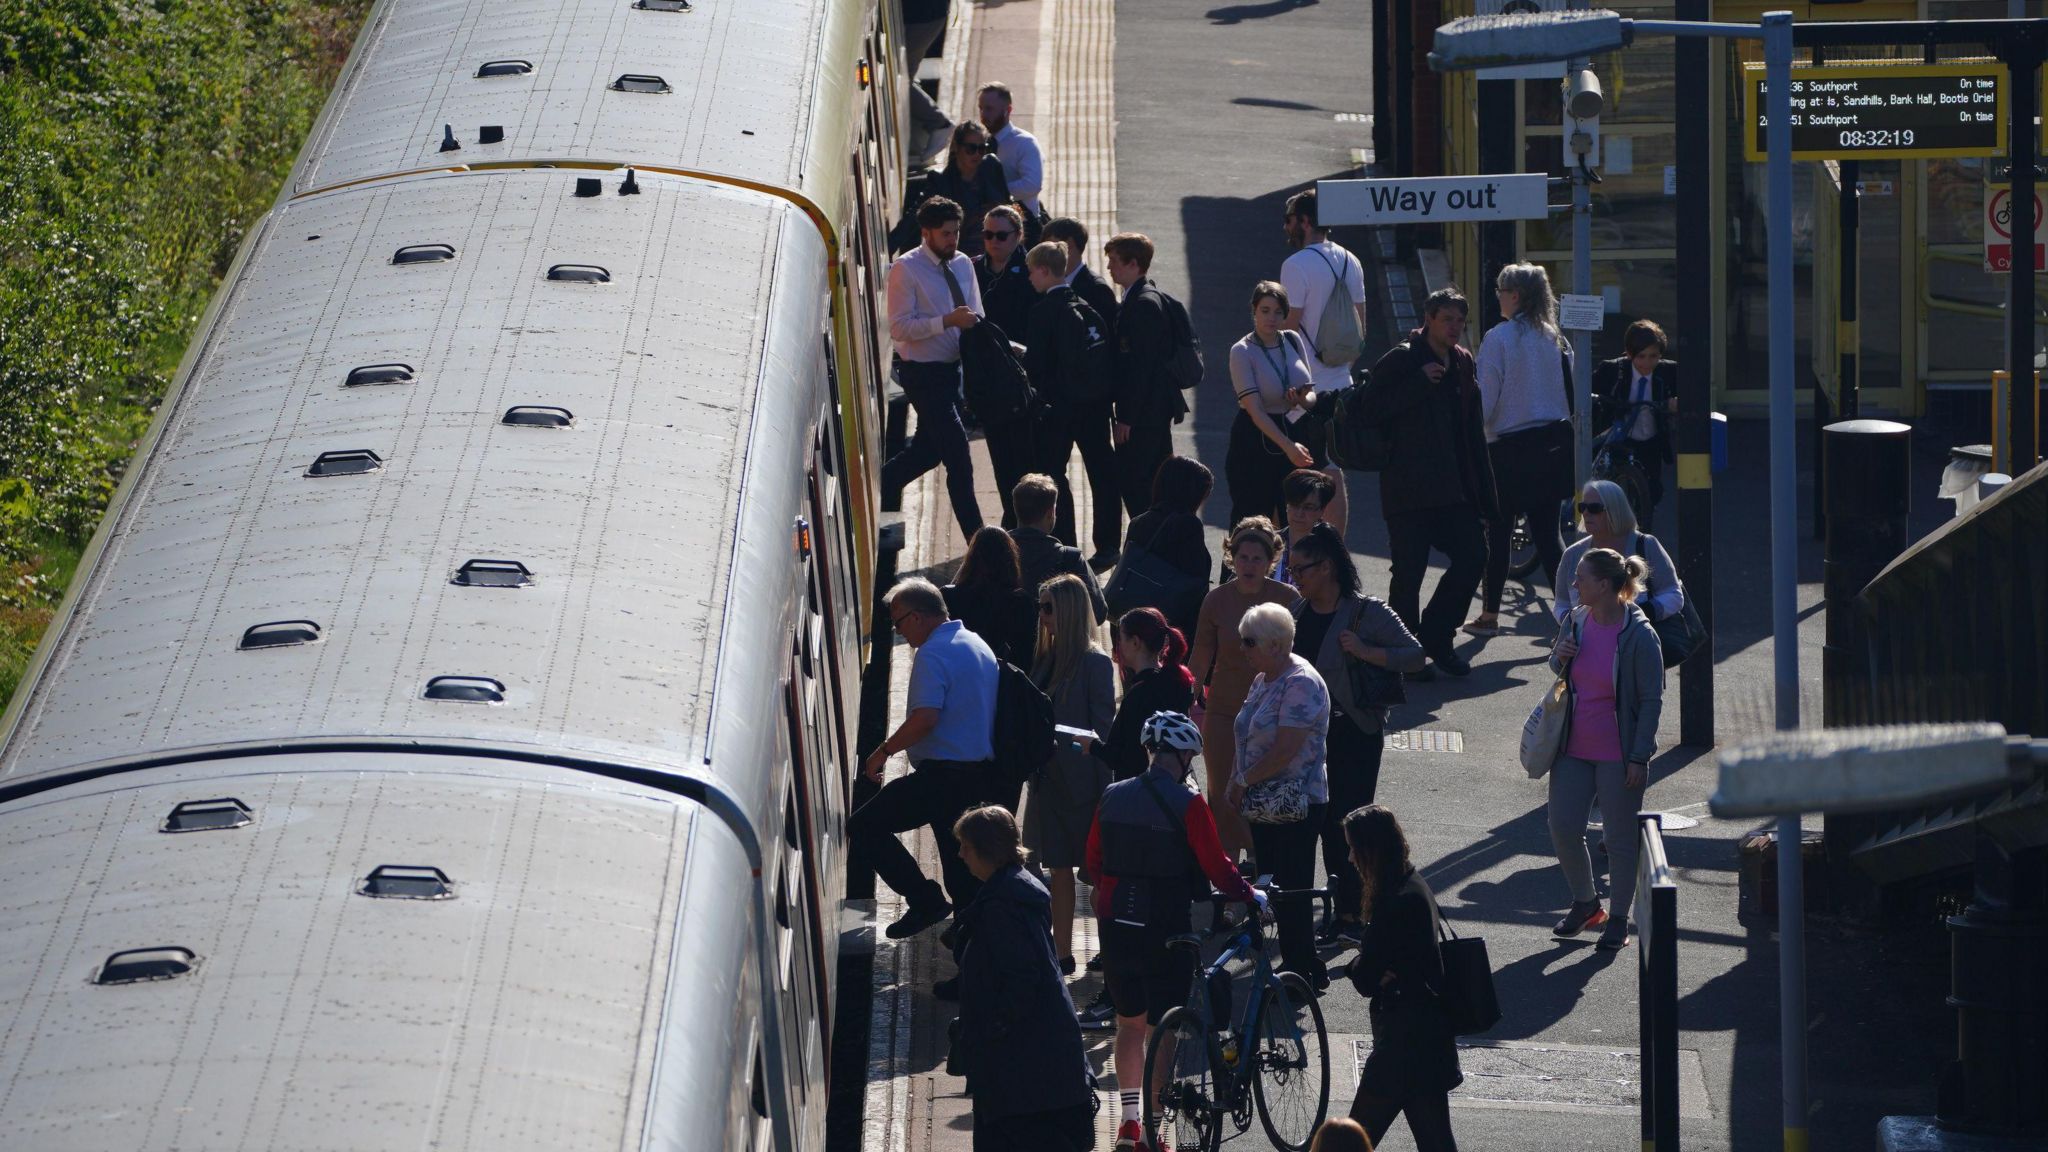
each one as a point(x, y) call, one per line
point(1101, 296)
point(1436, 434)
point(1157, 690)
point(1146, 392)
point(1020, 1045)
point(1614, 379)
point(1006, 619)
point(1177, 538)
point(975, 197)
point(1007, 295)
point(1064, 334)
point(1043, 557)
point(1408, 1024)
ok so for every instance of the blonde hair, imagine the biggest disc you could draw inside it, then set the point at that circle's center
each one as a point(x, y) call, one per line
point(1050, 256)
point(1268, 626)
point(1624, 574)
point(1068, 636)
point(1620, 516)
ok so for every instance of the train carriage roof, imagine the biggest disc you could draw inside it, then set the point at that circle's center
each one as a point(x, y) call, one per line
point(756, 91)
point(690, 371)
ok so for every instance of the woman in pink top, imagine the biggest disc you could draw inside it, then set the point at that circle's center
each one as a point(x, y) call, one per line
point(1609, 652)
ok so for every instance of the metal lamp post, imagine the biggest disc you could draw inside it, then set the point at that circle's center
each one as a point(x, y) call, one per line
point(1487, 41)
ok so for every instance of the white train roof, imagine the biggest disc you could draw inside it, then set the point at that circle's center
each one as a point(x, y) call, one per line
point(691, 368)
point(741, 84)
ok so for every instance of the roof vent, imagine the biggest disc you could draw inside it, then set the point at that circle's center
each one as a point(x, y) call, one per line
point(640, 82)
point(663, 5)
point(587, 186)
point(407, 882)
point(348, 462)
point(504, 68)
point(423, 254)
point(448, 143)
point(207, 816)
point(466, 689)
point(378, 374)
point(280, 634)
point(538, 416)
point(491, 134)
point(138, 965)
point(580, 274)
point(493, 574)
point(631, 186)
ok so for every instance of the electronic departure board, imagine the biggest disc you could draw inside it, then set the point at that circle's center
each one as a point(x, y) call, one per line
point(1872, 111)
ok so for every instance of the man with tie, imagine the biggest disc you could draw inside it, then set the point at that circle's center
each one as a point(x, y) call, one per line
point(1641, 376)
point(933, 294)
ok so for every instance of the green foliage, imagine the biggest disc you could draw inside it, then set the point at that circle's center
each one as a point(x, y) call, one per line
point(139, 140)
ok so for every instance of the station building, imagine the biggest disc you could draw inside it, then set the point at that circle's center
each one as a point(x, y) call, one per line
point(1929, 328)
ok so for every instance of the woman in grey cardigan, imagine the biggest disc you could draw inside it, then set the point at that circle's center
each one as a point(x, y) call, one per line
point(1081, 680)
point(1609, 522)
point(1610, 654)
point(1336, 625)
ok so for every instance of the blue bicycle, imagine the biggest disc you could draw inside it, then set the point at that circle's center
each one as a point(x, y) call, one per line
point(1274, 1058)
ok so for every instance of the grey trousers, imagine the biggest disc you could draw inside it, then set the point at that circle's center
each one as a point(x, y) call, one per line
point(1574, 783)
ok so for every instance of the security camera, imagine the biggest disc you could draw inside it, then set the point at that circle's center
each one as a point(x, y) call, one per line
point(1582, 98)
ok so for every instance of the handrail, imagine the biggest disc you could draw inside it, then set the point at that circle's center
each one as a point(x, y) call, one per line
point(1656, 916)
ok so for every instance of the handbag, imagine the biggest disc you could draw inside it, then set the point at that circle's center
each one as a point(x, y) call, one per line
point(1468, 998)
point(1679, 634)
point(1544, 732)
point(1371, 685)
point(1276, 802)
point(1145, 579)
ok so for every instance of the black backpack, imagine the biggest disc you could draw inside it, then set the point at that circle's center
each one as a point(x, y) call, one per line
point(1022, 734)
point(1355, 442)
point(1185, 367)
point(995, 385)
point(1093, 379)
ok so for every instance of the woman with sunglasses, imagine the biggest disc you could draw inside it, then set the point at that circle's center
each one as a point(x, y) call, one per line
point(1060, 799)
point(972, 178)
point(1006, 291)
point(1609, 522)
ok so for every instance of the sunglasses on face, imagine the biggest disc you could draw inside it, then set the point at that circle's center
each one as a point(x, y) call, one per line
point(1311, 566)
point(988, 235)
point(1593, 508)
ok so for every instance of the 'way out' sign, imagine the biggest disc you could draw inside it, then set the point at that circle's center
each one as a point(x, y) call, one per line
point(1433, 199)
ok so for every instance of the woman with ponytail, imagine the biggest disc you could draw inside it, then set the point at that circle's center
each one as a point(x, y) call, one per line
point(1153, 655)
point(1610, 654)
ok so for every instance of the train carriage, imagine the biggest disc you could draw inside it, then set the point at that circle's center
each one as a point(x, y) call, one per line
point(448, 736)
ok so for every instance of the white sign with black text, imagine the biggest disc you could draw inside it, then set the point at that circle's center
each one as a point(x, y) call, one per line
point(1433, 199)
point(1581, 313)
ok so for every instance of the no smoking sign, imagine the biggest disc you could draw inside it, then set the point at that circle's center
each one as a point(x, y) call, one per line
point(1998, 229)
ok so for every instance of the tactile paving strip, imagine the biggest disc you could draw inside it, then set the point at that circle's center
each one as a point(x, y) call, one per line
point(1426, 740)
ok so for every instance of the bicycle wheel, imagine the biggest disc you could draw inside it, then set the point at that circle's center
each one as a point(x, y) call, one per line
point(1521, 548)
point(1186, 1114)
point(1291, 1076)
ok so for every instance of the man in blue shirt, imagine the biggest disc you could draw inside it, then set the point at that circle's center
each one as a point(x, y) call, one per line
point(950, 714)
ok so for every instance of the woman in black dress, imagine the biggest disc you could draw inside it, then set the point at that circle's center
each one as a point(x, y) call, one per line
point(1414, 1061)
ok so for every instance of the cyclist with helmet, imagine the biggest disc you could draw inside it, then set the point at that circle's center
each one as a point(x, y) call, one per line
point(1151, 846)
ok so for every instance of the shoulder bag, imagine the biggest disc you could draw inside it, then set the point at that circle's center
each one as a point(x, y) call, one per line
point(1277, 801)
point(1371, 685)
point(1544, 732)
point(1680, 634)
point(1468, 996)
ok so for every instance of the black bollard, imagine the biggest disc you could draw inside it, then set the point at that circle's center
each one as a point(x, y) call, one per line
point(1866, 468)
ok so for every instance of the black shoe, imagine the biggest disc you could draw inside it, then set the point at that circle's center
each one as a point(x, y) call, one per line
point(1579, 918)
point(1099, 1016)
point(1104, 560)
point(917, 920)
point(1095, 962)
point(1066, 965)
point(1450, 661)
point(1614, 937)
point(948, 990)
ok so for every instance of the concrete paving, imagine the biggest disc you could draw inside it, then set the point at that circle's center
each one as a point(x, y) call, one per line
point(1218, 116)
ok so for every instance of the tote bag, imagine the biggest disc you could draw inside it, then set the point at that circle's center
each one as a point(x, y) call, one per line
point(1468, 997)
point(1544, 732)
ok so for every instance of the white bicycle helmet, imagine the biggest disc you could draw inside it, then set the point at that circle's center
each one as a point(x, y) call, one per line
point(1170, 730)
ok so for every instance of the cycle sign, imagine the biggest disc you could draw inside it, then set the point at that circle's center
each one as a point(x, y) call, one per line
point(1998, 230)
